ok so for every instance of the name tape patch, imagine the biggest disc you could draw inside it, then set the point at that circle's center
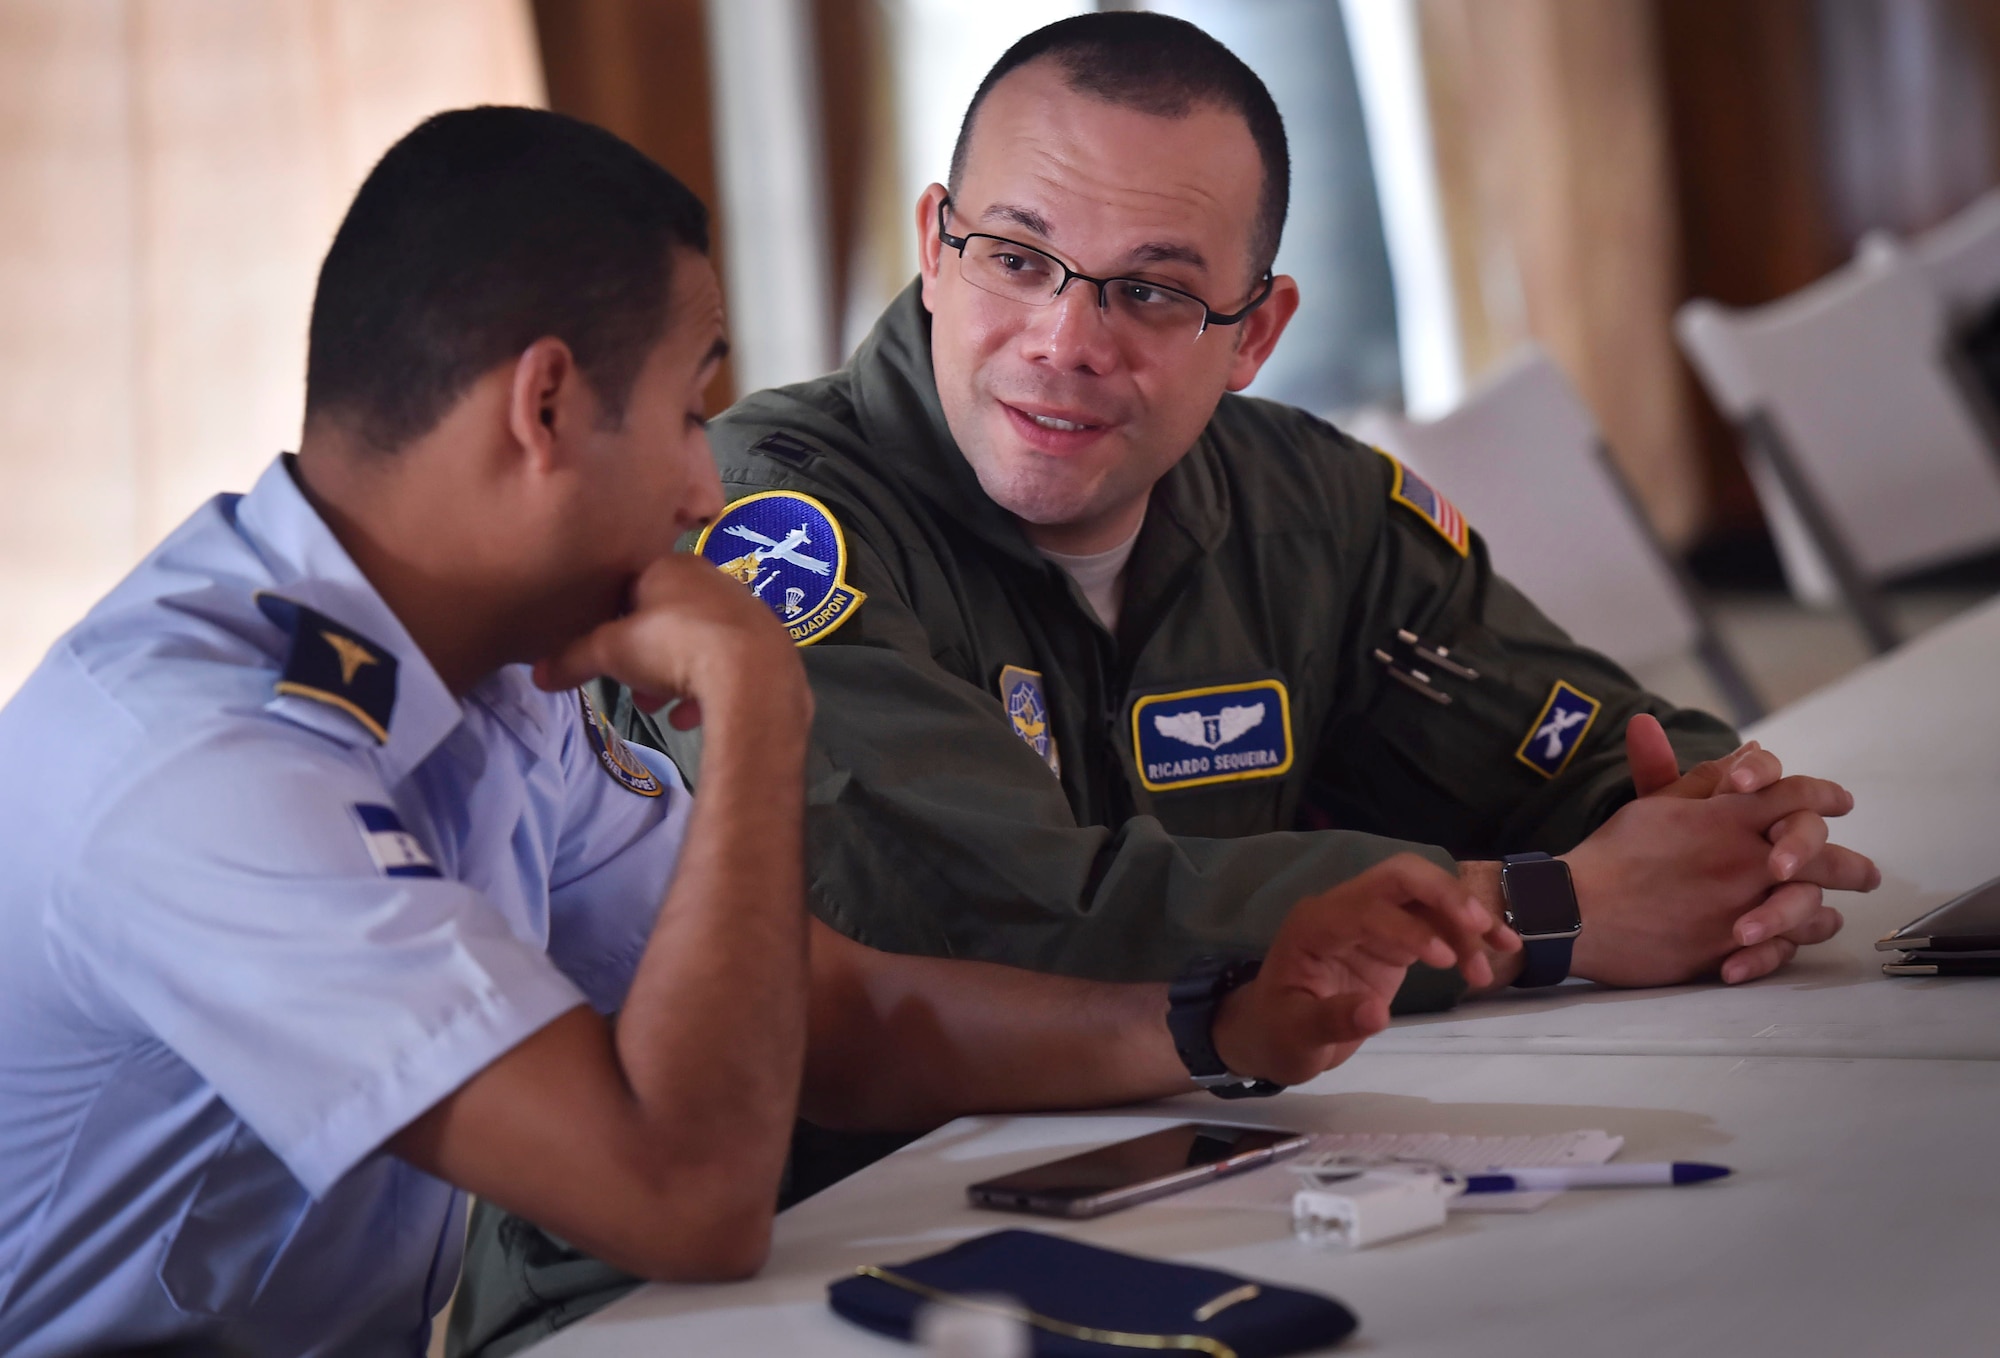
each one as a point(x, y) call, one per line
point(789, 550)
point(1421, 498)
point(1212, 735)
point(614, 755)
point(395, 850)
point(1566, 718)
point(1028, 709)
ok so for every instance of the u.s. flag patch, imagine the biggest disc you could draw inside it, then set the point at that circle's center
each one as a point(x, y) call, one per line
point(1565, 719)
point(1421, 498)
point(1212, 735)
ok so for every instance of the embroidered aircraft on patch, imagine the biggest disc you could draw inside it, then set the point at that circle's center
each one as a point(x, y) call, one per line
point(795, 561)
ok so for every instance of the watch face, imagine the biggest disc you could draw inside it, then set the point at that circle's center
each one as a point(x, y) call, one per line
point(1540, 899)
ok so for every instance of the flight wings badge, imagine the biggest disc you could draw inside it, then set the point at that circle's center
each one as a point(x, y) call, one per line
point(1212, 735)
point(788, 549)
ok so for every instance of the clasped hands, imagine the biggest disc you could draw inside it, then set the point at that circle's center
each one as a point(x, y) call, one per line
point(1721, 870)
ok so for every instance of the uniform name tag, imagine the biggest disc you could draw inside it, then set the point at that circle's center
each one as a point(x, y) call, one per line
point(1566, 718)
point(395, 850)
point(1212, 735)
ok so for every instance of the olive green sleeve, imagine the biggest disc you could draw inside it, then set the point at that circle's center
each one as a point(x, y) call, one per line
point(933, 829)
point(1394, 760)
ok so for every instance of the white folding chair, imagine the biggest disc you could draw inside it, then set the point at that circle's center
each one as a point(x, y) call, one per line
point(1522, 457)
point(1960, 257)
point(1864, 451)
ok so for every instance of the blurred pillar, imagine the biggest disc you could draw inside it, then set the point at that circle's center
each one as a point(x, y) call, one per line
point(1743, 104)
point(1388, 68)
point(639, 68)
point(769, 148)
point(1562, 118)
point(1341, 350)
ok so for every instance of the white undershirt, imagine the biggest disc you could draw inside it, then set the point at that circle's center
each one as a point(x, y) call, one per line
point(1101, 577)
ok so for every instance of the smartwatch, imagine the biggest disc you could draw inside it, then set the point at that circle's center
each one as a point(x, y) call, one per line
point(1192, 1000)
point(1541, 908)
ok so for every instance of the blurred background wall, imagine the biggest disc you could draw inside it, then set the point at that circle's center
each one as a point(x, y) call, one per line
point(1470, 174)
point(171, 172)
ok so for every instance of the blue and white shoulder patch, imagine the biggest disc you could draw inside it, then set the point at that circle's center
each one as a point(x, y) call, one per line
point(395, 850)
point(1566, 718)
point(333, 664)
point(1421, 498)
point(788, 549)
point(614, 755)
point(1222, 734)
point(1028, 709)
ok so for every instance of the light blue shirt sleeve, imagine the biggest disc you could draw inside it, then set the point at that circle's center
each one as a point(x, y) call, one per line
point(233, 907)
point(612, 869)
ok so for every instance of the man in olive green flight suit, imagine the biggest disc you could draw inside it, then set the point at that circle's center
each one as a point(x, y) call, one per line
point(1112, 667)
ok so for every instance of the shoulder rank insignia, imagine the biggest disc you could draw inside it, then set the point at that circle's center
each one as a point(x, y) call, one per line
point(626, 769)
point(794, 452)
point(333, 664)
point(1212, 735)
point(1028, 709)
point(1421, 498)
point(789, 550)
point(1565, 719)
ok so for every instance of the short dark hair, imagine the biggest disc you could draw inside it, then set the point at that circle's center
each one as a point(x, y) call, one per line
point(1163, 66)
point(482, 231)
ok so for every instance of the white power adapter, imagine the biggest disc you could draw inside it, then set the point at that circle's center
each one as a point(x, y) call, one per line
point(1373, 1205)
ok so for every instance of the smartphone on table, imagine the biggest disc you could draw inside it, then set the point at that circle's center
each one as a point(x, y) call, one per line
point(1128, 1172)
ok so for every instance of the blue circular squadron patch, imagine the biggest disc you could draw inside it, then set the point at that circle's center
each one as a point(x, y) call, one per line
point(626, 769)
point(789, 550)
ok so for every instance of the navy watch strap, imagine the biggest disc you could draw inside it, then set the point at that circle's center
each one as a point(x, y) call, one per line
point(1191, 1005)
point(1544, 961)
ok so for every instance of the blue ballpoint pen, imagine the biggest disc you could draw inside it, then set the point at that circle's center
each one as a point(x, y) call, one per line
point(1542, 1179)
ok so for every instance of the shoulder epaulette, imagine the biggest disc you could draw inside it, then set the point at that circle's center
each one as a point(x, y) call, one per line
point(793, 452)
point(333, 664)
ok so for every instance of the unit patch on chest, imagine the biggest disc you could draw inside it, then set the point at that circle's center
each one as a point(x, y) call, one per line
point(1028, 709)
point(788, 549)
point(1222, 734)
point(1565, 719)
point(614, 755)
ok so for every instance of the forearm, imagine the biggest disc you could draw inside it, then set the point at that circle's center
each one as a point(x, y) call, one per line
point(900, 1042)
point(711, 1038)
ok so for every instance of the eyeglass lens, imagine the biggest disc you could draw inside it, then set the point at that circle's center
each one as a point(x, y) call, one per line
point(1026, 275)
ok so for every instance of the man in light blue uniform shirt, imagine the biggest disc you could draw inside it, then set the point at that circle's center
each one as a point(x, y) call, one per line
point(394, 913)
point(319, 900)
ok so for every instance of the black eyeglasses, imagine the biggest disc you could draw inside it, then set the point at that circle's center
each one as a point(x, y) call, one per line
point(1021, 273)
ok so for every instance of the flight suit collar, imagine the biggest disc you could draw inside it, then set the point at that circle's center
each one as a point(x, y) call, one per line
point(895, 397)
point(308, 566)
